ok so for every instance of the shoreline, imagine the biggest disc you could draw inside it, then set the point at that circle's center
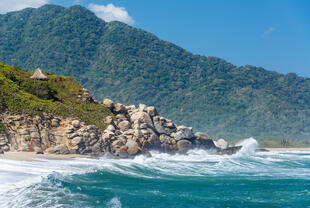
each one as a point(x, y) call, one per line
point(32, 156)
point(287, 149)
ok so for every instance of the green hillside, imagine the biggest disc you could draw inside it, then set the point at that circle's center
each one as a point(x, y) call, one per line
point(60, 96)
point(132, 66)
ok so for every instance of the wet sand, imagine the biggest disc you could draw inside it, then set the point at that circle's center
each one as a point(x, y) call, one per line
point(32, 156)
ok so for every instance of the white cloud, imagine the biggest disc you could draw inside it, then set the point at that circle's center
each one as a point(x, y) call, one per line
point(13, 5)
point(269, 31)
point(111, 13)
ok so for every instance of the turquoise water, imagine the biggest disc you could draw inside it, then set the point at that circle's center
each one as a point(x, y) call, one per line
point(248, 179)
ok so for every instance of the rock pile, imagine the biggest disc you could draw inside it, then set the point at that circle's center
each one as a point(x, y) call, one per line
point(138, 130)
point(131, 131)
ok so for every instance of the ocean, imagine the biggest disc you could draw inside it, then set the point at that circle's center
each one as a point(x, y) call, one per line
point(198, 179)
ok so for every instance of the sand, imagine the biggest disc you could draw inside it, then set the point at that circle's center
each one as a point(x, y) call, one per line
point(32, 156)
point(288, 149)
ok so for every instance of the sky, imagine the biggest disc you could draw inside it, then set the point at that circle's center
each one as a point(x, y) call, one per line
point(274, 34)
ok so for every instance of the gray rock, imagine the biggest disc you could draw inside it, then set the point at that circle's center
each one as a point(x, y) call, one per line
point(183, 132)
point(202, 135)
point(184, 145)
point(221, 143)
point(77, 140)
point(151, 110)
point(5, 148)
point(121, 117)
point(76, 124)
point(142, 107)
point(55, 122)
point(111, 128)
point(59, 149)
point(124, 126)
point(119, 108)
point(132, 147)
point(143, 117)
point(108, 103)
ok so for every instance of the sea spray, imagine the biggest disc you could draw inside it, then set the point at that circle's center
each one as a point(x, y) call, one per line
point(248, 146)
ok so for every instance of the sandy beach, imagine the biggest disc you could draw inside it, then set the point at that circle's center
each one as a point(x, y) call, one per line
point(288, 149)
point(32, 156)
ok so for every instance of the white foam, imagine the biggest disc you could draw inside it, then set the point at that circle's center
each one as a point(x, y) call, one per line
point(14, 175)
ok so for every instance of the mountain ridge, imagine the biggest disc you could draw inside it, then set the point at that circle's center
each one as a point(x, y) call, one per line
point(133, 66)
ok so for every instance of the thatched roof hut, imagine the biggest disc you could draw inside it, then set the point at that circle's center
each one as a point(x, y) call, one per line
point(38, 74)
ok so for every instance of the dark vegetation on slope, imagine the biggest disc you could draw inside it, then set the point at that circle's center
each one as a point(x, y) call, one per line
point(58, 96)
point(132, 66)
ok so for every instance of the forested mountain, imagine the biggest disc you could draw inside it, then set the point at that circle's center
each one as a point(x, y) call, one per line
point(132, 66)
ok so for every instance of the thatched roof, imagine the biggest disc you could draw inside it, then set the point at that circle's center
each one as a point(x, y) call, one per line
point(38, 74)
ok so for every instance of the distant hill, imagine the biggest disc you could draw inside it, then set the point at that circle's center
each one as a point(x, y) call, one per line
point(132, 66)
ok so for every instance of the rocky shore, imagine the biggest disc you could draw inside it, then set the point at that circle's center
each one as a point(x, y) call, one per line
point(131, 131)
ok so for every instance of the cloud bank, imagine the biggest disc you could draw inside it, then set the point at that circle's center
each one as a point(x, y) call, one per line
point(13, 5)
point(111, 13)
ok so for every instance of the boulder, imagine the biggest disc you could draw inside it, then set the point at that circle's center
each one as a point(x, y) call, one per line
point(230, 150)
point(163, 126)
point(202, 135)
point(119, 108)
point(108, 103)
point(151, 110)
point(59, 149)
point(55, 122)
point(110, 128)
point(124, 125)
point(5, 148)
point(121, 117)
point(183, 132)
point(77, 140)
point(221, 143)
point(142, 117)
point(132, 147)
point(142, 107)
point(122, 152)
point(76, 124)
point(184, 145)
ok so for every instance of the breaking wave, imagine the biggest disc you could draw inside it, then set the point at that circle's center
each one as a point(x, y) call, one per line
point(197, 179)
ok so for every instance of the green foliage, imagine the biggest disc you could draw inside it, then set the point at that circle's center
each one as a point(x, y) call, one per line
point(132, 66)
point(59, 96)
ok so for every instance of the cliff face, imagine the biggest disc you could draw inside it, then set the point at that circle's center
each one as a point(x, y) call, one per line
point(47, 133)
point(131, 131)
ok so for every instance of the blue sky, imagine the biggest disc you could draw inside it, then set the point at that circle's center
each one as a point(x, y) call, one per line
point(274, 34)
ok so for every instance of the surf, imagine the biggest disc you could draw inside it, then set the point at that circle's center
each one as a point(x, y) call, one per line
point(178, 180)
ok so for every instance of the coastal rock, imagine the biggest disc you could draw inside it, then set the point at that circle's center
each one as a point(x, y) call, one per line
point(184, 145)
point(124, 125)
point(76, 124)
point(221, 143)
point(130, 131)
point(151, 110)
point(132, 147)
point(119, 108)
point(59, 149)
point(141, 117)
point(108, 103)
point(183, 132)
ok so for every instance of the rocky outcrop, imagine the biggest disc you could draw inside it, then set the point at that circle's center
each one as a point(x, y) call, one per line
point(131, 131)
point(50, 134)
